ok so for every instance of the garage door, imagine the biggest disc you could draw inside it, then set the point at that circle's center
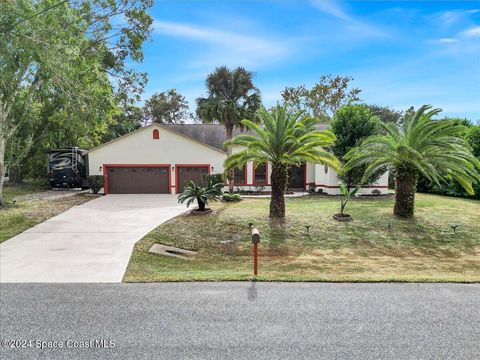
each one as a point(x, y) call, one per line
point(137, 179)
point(187, 173)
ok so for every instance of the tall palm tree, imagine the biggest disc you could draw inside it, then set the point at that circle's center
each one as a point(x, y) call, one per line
point(421, 145)
point(282, 138)
point(232, 96)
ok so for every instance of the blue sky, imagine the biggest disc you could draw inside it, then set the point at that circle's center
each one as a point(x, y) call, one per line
point(400, 53)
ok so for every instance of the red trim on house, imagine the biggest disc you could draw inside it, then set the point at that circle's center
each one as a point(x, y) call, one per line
point(156, 134)
point(266, 183)
point(245, 181)
point(188, 165)
point(105, 173)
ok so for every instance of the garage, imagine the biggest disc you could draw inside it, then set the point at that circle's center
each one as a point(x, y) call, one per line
point(137, 179)
point(187, 173)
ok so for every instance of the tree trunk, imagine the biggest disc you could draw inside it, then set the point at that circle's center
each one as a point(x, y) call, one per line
point(405, 187)
point(230, 175)
point(3, 125)
point(15, 175)
point(201, 205)
point(279, 183)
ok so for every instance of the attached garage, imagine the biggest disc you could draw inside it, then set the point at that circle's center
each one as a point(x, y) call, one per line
point(187, 173)
point(137, 179)
point(154, 160)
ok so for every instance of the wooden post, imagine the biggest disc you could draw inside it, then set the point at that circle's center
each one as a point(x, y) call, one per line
point(255, 241)
point(255, 259)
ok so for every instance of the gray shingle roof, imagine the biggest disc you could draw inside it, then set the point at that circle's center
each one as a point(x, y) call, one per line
point(212, 134)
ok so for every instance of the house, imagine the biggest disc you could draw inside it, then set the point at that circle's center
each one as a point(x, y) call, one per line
point(162, 158)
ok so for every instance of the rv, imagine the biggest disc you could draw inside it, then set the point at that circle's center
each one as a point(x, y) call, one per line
point(67, 168)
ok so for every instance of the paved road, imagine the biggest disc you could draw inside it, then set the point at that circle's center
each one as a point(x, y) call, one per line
point(88, 243)
point(245, 320)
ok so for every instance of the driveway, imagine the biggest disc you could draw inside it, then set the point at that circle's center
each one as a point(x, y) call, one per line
point(88, 243)
point(242, 320)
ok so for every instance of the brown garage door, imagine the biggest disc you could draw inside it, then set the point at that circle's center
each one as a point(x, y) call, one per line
point(138, 179)
point(187, 173)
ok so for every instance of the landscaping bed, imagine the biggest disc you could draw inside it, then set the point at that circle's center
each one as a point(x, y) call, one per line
point(375, 246)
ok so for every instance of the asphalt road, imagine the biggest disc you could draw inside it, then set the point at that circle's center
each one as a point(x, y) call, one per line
point(242, 321)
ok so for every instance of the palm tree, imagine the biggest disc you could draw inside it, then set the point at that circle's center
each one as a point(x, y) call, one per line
point(282, 139)
point(421, 145)
point(231, 98)
point(211, 191)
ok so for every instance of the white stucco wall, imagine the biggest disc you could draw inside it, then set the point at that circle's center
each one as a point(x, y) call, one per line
point(140, 148)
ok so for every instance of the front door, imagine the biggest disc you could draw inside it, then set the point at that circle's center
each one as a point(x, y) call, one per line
point(296, 177)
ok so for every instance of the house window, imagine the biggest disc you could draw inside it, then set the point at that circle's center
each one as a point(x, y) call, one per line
point(240, 175)
point(156, 134)
point(260, 174)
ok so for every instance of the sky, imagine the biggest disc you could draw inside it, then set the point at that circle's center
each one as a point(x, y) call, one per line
point(400, 53)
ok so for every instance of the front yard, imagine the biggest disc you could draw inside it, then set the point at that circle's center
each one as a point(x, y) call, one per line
point(374, 247)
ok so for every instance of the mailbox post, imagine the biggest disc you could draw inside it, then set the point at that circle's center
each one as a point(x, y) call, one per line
point(255, 242)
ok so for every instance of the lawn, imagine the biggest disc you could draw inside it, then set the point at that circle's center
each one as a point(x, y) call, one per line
point(374, 247)
point(10, 192)
point(17, 218)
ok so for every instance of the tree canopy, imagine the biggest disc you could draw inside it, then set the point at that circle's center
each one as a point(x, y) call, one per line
point(324, 98)
point(168, 107)
point(64, 72)
point(351, 125)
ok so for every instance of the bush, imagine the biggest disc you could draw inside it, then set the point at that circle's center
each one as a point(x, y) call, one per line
point(376, 192)
point(211, 191)
point(95, 183)
point(231, 197)
point(217, 178)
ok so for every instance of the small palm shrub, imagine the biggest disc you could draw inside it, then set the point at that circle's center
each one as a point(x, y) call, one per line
point(211, 191)
point(346, 196)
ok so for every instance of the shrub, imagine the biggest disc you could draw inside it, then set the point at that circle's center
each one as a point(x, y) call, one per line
point(231, 197)
point(95, 183)
point(217, 178)
point(211, 191)
point(376, 192)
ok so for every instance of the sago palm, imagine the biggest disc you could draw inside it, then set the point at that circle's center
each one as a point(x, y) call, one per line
point(282, 139)
point(434, 148)
point(211, 191)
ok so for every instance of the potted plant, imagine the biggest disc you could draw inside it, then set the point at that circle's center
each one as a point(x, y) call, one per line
point(211, 191)
point(346, 195)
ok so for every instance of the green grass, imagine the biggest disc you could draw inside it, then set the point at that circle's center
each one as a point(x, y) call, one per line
point(374, 247)
point(15, 219)
point(10, 192)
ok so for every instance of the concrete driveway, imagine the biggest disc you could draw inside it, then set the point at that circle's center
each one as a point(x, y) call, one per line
point(88, 243)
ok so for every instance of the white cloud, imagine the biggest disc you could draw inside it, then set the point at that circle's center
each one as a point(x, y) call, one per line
point(463, 42)
point(447, 40)
point(472, 32)
point(334, 8)
point(225, 46)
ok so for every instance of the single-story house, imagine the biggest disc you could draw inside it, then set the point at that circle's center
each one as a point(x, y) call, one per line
point(162, 158)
